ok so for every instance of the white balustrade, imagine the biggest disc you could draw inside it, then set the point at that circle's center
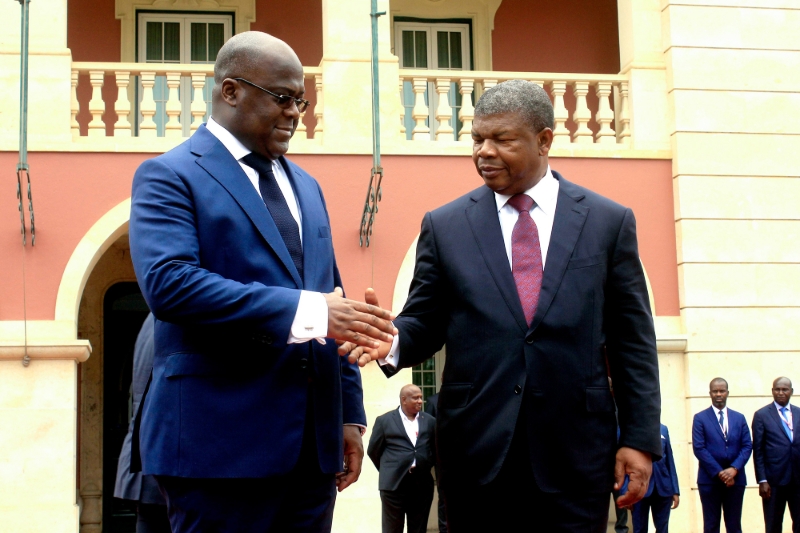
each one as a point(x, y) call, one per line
point(576, 123)
point(183, 102)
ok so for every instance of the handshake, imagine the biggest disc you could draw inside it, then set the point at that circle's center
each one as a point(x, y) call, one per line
point(363, 330)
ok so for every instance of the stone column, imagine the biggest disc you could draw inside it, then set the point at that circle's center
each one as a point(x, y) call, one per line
point(734, 75)
point(38, 409)
point(49, 65)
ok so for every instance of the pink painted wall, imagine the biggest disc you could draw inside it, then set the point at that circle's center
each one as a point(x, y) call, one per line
point(72, 191)
point(562, 36)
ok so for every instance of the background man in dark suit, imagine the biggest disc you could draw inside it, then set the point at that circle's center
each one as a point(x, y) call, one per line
point(776, 453)
point(430, 408)
point(151, 507)
point(663, 493)
point(402, 449)
point(722, 445)
point(247, 419)
point(531, 280)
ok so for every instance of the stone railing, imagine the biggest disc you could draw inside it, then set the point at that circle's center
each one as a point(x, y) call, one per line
point(105, 97)
point(589, 108)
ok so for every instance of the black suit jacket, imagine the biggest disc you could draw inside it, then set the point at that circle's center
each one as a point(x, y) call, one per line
point(776, 458)
point(593, 317)
point(392, 452)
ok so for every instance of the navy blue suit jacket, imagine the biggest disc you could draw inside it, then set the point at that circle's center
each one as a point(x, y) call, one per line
point(665, 477)
point(228, 394)
point(776, 458)
point(593, 303)
point(714, 452)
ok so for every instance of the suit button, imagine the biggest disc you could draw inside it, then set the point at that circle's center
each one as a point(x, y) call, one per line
point(517, 389)
point(529, 340)
point(304, 363)
point(267, 340)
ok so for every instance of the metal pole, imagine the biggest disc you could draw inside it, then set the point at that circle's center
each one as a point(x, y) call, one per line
point(374, 190)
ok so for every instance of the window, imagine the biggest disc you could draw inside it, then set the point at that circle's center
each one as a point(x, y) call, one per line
point(180, 38)
point(428, 375)
point(437, 46)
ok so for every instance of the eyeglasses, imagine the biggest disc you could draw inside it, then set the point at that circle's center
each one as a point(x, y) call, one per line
point(284, 100)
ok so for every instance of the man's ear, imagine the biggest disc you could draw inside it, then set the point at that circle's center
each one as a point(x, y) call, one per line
point(229, 91)
point(544, 139)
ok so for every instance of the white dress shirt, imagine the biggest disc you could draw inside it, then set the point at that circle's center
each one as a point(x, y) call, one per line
point(545, 198)
point(724, 412)
point(412, 429)
point(311, 317)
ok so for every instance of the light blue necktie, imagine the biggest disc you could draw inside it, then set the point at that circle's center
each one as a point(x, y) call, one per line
point(785, 422)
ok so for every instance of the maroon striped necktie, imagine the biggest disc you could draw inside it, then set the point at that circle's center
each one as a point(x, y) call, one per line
point(526, 256)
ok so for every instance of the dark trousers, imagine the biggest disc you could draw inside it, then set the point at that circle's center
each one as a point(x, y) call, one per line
point(621, 525)
point(152, 518)
point(717, 499)
point(660, 507)
point(514, 502)
point(440, 511)
point(412, 501)
point(775, 507)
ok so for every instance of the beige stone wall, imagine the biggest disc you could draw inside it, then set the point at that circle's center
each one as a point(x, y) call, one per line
point(732, 73)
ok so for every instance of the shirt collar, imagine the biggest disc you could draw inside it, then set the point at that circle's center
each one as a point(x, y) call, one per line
point(234, 146)
point(779, 407)
point(544, 193)
point(405, 417)
point(724, 410)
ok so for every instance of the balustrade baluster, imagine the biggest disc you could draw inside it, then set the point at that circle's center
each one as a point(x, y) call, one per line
point(173, 106)
point(122, 128)
point(74, 105)
point(97, 127)
point(420, 111)
point(444, 113)
point(605, 115)
point(624, 122)
point(402, 109)
point(488, 84)
point(467, 112)
point(560, 114)
point(582, 115)
point(318, 108)
point(198, 107)
point(148, 106)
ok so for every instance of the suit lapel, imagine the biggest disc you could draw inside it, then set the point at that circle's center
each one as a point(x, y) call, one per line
point(568, 222)
point(220, 164)
point(485, 225)
point(712, 414)
point(776, 417)
point(400, 426)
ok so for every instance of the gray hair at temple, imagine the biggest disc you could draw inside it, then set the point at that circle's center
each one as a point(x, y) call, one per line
point(524, 98)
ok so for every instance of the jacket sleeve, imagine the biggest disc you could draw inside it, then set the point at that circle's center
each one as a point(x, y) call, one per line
point(707, 461)
point(747, 447)
point(165, 249)
point(631, 344)
point(759, 443)
point(377, 442)
point(673, 473)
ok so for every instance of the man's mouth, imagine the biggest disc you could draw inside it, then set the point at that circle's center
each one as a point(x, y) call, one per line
point(489, 171)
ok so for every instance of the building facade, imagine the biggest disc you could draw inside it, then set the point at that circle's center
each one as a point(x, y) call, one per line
point(687, 111)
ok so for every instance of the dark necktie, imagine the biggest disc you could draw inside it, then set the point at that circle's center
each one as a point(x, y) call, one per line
point(278, 208)
point(526, 256)
point(722, 425)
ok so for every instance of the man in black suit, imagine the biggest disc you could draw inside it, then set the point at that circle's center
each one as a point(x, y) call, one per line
point(776, 453)
point(402, 448)
point(151, 507)
point(536, 287)
point(430, 408)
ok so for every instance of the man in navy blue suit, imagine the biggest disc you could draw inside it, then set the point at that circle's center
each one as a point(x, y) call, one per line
point(662, 494)
point(535, 285)
point(249, 415)
point(776, 453)
point(722, 445)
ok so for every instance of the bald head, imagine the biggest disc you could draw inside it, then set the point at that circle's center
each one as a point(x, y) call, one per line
point(411, 400)
point(782, 390)
point(409, 390)
point(243, 53)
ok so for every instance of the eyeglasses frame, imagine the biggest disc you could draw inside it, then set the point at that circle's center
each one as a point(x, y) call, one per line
point(281, 97)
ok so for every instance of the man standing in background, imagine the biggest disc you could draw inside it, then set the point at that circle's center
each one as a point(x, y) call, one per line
point(402, 449)
point(776, 454)
point(722, 445)
point(663, 494)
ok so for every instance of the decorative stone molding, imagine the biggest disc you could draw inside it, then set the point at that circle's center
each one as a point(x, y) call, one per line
point(78, 351)
point(92, 514)
point(244, 14)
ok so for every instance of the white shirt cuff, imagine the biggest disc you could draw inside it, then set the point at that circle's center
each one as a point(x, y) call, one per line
point(310, 320)
point(393, 357)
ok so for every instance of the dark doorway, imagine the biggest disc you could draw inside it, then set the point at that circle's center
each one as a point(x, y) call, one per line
point(124, 310)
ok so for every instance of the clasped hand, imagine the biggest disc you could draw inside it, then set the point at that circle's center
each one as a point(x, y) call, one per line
point(363, 352)
point(353, 323)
